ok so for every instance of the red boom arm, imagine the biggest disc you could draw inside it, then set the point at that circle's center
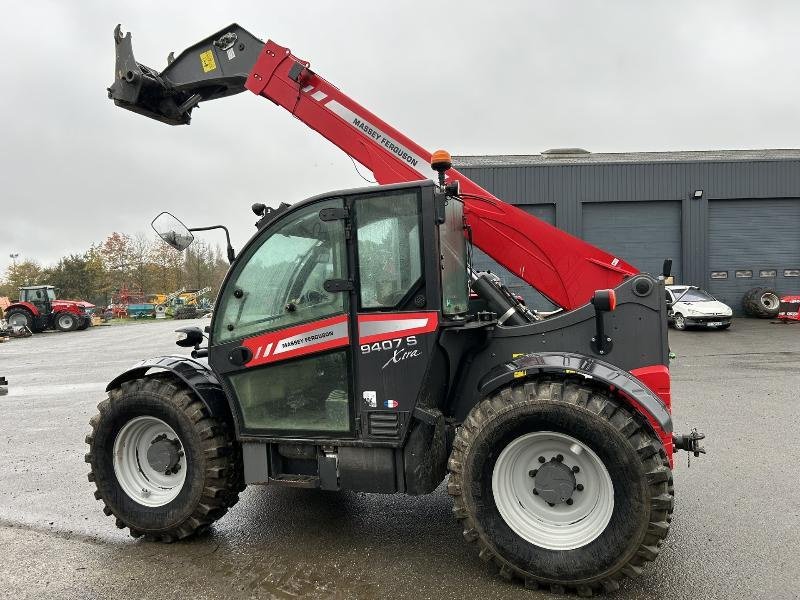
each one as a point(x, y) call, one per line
point(563, 268)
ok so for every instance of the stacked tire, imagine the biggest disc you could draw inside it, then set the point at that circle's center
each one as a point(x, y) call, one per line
point(762, 302)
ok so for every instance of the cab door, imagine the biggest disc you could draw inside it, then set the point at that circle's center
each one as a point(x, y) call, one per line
point(397, 307)
point(281, 336)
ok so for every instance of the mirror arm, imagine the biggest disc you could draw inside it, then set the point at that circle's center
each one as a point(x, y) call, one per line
point(231, 253)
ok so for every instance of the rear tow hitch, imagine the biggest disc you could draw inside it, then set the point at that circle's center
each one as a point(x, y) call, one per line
point(691, 443)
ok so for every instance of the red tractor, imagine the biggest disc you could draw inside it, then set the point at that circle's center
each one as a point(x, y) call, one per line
point(37, 309)
point(789, 309)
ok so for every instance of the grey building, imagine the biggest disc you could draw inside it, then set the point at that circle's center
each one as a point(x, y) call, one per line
point(730, 220)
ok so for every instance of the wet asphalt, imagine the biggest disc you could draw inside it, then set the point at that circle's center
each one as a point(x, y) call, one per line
point(735, 531)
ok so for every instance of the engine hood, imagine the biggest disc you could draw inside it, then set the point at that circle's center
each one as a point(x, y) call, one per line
point(79, 304)
point(710, 307)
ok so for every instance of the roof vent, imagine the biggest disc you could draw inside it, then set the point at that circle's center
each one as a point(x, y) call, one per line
point(564, 152)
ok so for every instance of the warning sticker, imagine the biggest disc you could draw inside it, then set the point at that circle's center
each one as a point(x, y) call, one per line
point(207, 60)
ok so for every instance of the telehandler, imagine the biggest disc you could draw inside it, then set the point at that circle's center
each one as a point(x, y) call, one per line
point(352, 347)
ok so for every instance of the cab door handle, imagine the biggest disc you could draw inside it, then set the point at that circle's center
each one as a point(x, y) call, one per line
point(240, 356)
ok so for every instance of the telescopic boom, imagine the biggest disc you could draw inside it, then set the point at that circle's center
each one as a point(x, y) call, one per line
point(565, 269)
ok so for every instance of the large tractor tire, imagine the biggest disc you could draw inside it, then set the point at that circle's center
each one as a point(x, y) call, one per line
point(761, 302)
point(19, 317)
point(561, 486)
point(162, 466)
point(66, 321)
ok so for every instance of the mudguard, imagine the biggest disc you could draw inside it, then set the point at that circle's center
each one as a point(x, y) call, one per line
point(531, 365)
point(193, 372)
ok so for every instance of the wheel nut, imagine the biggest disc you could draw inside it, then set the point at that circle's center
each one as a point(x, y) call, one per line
point(579, 487)
point(535, 492)
point(576, 469)
point(569, 501)
point(560, 457)
point(541, 459)
point(532, 472)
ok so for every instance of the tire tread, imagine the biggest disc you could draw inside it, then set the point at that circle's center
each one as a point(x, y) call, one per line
point(647, 447)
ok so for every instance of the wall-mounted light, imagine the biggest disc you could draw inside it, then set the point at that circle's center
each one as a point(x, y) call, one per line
point(697, 194)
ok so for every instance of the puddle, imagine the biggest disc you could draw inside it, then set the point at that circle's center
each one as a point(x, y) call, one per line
point(52, 389)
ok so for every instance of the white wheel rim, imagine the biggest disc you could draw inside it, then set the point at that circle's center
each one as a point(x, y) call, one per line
point(770, 301)
point(136, 476)
point(65, 322)
point(562, 526)
point(17, 320)
point(679, 322)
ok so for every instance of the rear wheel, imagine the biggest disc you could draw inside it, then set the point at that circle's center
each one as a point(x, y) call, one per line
point(761, 302)
point(66, 321)
point(162, 466)
point(19, 317)
point(561, 486)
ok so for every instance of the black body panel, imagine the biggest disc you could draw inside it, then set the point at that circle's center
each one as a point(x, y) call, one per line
point(575, 364)
point(193, 372)
point(637, 327)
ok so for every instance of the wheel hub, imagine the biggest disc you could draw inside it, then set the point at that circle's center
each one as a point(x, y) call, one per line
point(164, 455)
point(149, 461)
point(554, 482)
point(573, 498)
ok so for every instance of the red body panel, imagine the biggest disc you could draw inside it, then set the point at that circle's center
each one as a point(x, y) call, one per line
point(563, 268)
point(27, 305)
point(334, 332)
point(73, 306)
point(790, 308)
point(656, 377)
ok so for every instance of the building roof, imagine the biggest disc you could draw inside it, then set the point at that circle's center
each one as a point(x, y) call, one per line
point(577, 156)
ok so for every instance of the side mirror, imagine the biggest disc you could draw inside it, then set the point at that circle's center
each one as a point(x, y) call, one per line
point(170, 229)
point(192, 336)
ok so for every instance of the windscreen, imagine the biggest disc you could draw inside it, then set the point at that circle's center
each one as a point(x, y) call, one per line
point(695, 296)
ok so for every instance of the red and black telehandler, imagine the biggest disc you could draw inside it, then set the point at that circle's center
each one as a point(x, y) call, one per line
point(353, 347)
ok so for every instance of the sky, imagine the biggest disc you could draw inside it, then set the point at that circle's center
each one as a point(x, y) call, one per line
point(476, 78)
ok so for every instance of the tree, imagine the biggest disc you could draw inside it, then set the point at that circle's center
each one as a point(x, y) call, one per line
point(79, 277)
point(167, 266)
point(115, 251)
point(27, 272)
point(199, 265)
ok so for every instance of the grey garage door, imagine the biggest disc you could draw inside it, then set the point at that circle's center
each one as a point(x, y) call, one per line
point(753, 243)
point(642, 233)
point(481, 262)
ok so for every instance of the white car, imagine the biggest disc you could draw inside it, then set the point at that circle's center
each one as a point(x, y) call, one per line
point(689, 305)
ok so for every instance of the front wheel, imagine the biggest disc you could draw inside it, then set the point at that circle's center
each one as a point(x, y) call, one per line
point(66, 321)
point(161, 464)
point(679, 321)
point(561, 485)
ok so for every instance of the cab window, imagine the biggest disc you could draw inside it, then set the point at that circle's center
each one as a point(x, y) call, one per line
point(280, 280)
point(389, 254)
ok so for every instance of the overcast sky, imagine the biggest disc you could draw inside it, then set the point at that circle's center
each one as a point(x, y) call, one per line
point(472, 77)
